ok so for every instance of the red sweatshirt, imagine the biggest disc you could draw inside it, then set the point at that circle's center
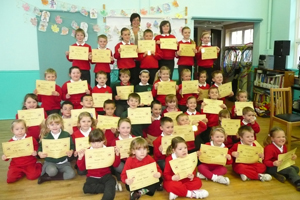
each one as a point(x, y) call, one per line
point(133, 162)
point(168, 54)
point(271, 153)
point(77, 134)
point(182, 99)
point(160, 98)
point(75, 98)
point(213, 119)
point(185, 60)
point(228, 162)
point(103, 66)
point(233, 149)
point(153, 129)
point(50, 102)
point(254, 126)
point(166, 111)
point(233, 115)
point(123, 63)
point(157, 155)
point(204, 63)
point(107, 89)
point(150, 62)
point(82, 64)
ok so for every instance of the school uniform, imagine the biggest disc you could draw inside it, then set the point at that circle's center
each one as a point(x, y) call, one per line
point(233, 114)
point(143, 88)
point(157, 155)
point(213, 120)
point(84, 65)
point(185, 62)
point(74, 98)
point(80, 134)
point(181, 187)
point(255, 127)
point(160, 98)
point(121, 105)
point(25, 165)
point(136, 129)
point(204, 86)
point(182, 98)
point(51, 104)
point(166, 111)
point(154, 130)
point(101, 89)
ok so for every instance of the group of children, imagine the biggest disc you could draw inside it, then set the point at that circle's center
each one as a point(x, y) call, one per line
point(207, 131)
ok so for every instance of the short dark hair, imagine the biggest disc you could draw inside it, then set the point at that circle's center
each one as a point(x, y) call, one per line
point(74, 67)
point(66, 103)
point(133, 16)
point(86, 95)
point(164, 23)
point(148, 31)
point(155, 102)
point(164, 120)
point(97, 135)
point(109, 101)
point(134, 96)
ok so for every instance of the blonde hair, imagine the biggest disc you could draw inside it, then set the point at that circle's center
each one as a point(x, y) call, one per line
point(158, 73)
point(138, 143)
point(202, 35)
point(218, 128)
point(180, 115)
point(18, 121)
point(186, 27)
point(121, 120)
point(247, 109)
point(185, 71)
point(243, 129)
point(53, 118)
point(241, 92)
point(102, 36)
point(224, 113)
point(171, 98)
point(85, 114)
point(79, 30)
point(174, 143)
point(50, 71)
point(271, 134)
point(124, 71)
point(101, 72)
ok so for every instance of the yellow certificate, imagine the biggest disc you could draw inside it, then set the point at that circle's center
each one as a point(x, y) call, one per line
point(239, 106)
point(166, 87)
point(187, 49)
point(124, 91)
point(68, 125)
point(196, 118)
point(151, 139)
point(99, 158)
point(140, 115)
point(82, 143)
point(203, 94)
point(107, 122)
point(18, 148)
point(146, 97)
point(32, 117)
point(248, 154)
point(286, 159)
point(142, 176)
point(184, 166)
point(189, 87)
point(78, 53)
point(146, 45)
point(231, 126)
point(78, 87)
point(186, 131)
point(173, 115)
point(209, 53)
point(166, 142)
point(225, 89)
point(56, 148)
point(262, 149)
point(213, 155)
point(128, 51)
point(212, 106)
point(45, 87)
point(101, 56)
point(99, 98)
point(76, 112)
point(168, 43)
point(124, 146)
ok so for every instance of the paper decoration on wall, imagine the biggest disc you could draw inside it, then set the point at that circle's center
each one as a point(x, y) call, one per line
point(124, 13)
point(116, 30)
point(43, 26)
point(143, 11)
point(93, 13)
point(73, 8)
point(166, 7)
point(45, 16)
point(63, 6)
point(55, 28)
point(178, 16)
point(33, 21)
point(158, 9)
point(84, 12)
point(64, 31)
point(107, 29)
point(180, 29)
point(152, 10)
point(84, 26)
point(175, 4)
point(74, 25)
point(26, 7)
point(155, 24)
point(37, 11)
point(58, 20)
point(52, 4)
point(45, 2)
point(109, 37)
point(112, 13)
point(148, 25)
point(96, 28)
point(103, 13)
point(73, 33)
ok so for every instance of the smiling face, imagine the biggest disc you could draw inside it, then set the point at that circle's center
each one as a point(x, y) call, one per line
point(101, 79)
point(218, 78)
point(205, 39)
point(75, 74)
point(186, 33)
point(135, 22)
point(213, 93)
point(66, 110)
point(218, 138)
point(242, 97)
point(186, 76)
point(54, 127)
point(30, 103)
point(181, 150)
point(167, 128)
point(124, 78)
point(85, 123)
point(164, 75)
point(247, 138)
point(19, 130)
point(102, 42)
point(124, 129)
point(109, 109)
point(79, 37)
point(279, 138)
point(202, 78)
point(148, 36)
point(140, 153)
point(126, 36)
point(166, 28)
point(133, 102)
point(191, 104)
point(144, 78)
point(156, 110)
point(171, 104)
point(50, 77)
point(183, 120)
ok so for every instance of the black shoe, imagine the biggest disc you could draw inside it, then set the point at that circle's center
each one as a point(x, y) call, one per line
point(160, 188)
point(43, 178)
point(280, 177)
point(134, 195)
point(297, 183)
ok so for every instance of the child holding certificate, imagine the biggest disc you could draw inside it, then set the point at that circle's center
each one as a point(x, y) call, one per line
point(171, 104)
point(105, 67)
point(143, 86)
point(124, 75)
point(187, 187)
point(247, 171)
point(167, 127)
point(98, 180)
point(139, 157)
point(101, 87)
point(109, 108)
point(75, 74)
point(51, 104)
point(83, 65)
point(125, 63)
point(185, 62)
point(213, 119)
point(249, 119)
point(231, 139)
point(25, 165)
point(275, 145)
point(202, 86)
point(168, 54)
point(241, 96)
point(212, 171)
point(217, 78)
point(206, 64)
point(149, 59)
point(182, 98)
point(55, 168)
point(31, 102)
point(65, 109)
point(87, 101)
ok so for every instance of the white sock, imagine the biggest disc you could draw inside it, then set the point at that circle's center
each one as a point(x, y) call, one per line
point(214, 178)
point(189, 194)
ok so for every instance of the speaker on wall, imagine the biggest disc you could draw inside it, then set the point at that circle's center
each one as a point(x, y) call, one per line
point(282, 47)
point(279, 62)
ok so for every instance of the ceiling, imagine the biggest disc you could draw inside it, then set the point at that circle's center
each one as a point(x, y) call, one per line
point(212, 24)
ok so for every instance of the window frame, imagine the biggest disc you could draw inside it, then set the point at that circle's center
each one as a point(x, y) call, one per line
point(231, 30)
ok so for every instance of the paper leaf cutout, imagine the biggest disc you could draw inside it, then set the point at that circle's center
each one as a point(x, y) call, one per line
point(148, 25)
point(158, 9)
point(74, 25)
point(37, 11)
point(96, 28)
point(93, 13)
point(33, 21)
point(64, 31)
point(58, 20)
point(26, 7)
point(84, 12)
point(143, 11)
point(166, 8)
point(152, 10)
point(43, 26)
point(73, 8)
point(175, 4)
point(178, 16)
point(45, 2)
point(55, 28)
point(155, 24)
point(123, 13)
point(103, 13)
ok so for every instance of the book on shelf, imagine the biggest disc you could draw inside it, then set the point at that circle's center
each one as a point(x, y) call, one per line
point(268, 81)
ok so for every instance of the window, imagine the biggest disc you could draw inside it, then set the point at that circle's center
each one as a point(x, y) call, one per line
point(297, 39)
point(239, 36)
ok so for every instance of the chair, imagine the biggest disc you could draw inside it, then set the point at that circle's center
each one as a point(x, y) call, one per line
point(281, 111)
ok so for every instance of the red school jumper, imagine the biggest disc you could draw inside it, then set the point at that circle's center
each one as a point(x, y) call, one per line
point(204, 63)
point(153, 129)
point(157, 155)
point(181, 187)
point(185, 60)
point(182, 99)
point(255, 127)
point(74, 98)
point(50, 102)
point(123, 63)
point(102, 89)
point(150, 61)
point(82, 64)
point(234, 116)
point(271, 153)
point(213, 119)
point(26, 165)
point(167, 54)
point(79, 134)
point(160, 98)
point(166, 111)
point(103, 66)
point(250, 170)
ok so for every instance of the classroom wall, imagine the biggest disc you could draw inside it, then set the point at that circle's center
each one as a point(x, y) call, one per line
point(19, 49)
